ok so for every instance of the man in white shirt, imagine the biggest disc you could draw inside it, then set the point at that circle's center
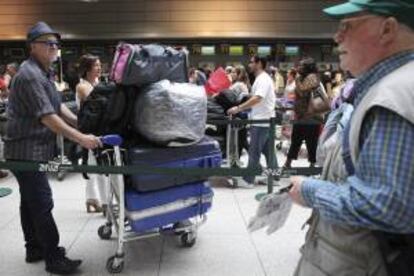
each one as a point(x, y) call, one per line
point(262, 105)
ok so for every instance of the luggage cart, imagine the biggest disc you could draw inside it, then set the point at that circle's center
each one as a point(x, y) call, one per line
point(232, 146)
point(232, 151)
point(117, 215)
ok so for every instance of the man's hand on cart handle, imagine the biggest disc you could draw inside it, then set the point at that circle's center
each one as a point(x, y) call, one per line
point(90, 141)
point(234, 110)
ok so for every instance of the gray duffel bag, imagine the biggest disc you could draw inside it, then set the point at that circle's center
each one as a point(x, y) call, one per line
point(151, 63)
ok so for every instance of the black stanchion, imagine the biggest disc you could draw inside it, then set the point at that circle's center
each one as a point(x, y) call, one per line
point(273, 166)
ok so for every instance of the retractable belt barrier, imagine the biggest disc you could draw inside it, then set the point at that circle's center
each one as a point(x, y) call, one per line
point(273, 172)
point(54, 167)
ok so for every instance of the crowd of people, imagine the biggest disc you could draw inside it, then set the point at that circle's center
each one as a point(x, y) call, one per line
point(297, 85)
point(261, 83)
point(361, 201)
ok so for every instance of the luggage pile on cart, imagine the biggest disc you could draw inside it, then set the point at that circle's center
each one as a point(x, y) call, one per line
point(162, 124)
point(145, 205)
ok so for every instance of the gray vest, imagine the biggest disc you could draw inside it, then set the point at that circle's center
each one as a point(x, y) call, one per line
point(343, 250)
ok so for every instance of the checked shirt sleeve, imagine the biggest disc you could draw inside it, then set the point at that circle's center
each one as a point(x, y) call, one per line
point(380, 195)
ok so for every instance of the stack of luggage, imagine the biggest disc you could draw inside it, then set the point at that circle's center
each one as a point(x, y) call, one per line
point(162, 118)
point(183, 197)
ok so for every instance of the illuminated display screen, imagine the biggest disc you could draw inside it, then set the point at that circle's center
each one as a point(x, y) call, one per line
point(97, 51)
point(208, 50)
point(236, 50)
point(70, 51)
point(292, 50)
point(264, 51)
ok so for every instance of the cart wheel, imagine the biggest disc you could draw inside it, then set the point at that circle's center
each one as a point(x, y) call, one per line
point(60, 176)
point(115, 265)
point(188, 240)
point(105, 232)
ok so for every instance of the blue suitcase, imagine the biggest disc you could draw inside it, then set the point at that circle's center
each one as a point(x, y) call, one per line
point(205, 154)
point(146, 211)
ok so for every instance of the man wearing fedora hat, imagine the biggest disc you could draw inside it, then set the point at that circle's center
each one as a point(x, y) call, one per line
point(363, 205)
point(35, 116)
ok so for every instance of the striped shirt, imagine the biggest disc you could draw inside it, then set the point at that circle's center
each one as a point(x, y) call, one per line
point(380, 194)
point(33, 95)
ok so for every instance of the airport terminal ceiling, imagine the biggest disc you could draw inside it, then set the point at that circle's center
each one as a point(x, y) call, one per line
point(185, 19)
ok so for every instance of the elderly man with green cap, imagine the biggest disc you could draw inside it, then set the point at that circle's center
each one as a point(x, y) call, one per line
point(363, 205)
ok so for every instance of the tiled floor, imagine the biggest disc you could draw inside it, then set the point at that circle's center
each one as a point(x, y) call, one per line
point(224, 246)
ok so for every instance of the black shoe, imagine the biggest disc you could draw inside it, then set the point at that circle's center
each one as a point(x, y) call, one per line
point(36, 255)
point(3, 174)
point(63, 266)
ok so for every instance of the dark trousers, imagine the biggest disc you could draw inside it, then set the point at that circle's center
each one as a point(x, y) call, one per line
point(39, 227)
point(308, 133)
point(243, 143)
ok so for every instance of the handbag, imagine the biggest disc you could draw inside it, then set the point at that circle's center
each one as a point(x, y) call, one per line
point(319, 101)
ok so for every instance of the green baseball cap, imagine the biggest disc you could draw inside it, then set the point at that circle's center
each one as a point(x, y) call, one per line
point(402, 10)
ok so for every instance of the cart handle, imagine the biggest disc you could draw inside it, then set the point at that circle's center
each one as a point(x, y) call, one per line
point(112, 140)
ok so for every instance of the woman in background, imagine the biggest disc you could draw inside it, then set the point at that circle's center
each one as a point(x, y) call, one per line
point(240, 80)
point(291, 84)
point(306, 126)
point(96, 186)
point(241, 84)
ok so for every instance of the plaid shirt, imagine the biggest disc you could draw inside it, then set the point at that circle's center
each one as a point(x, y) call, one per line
point(33, 95)
point(380, 195)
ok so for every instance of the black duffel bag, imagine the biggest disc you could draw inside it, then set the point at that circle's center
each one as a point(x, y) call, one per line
point(229, 98)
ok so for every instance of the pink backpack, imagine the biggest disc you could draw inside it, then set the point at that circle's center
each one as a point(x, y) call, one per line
point(121, 61)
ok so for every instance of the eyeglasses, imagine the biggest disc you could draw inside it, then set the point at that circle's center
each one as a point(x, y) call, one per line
point(49, 43)
point(346, 25)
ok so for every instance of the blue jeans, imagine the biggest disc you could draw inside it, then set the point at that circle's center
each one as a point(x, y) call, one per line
point(259, 143)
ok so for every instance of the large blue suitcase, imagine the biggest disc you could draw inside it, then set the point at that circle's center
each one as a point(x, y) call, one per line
point(205, 154)
point(146, 211)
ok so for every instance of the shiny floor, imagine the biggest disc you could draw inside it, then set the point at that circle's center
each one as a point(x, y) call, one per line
point(224, 246)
